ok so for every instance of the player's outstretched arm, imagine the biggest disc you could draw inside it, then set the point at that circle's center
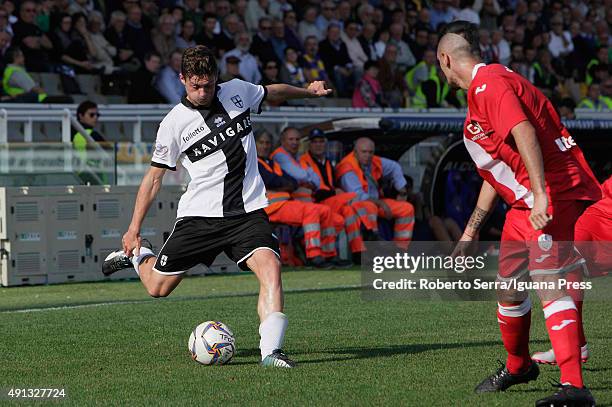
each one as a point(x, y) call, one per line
point(485, 204)
point(149, 187)
point(529, 148)
point(281, 92)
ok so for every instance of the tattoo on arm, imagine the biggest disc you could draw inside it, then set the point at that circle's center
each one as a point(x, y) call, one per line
point(478, 218)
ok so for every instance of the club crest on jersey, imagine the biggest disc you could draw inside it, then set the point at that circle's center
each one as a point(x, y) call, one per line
point(545, 242)
point(219, 121)
point(163, 260)
point(237, 101)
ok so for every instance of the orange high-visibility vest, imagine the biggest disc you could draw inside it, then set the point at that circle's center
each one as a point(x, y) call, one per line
point(276, 199)
point(350, 163)
point(308, 161)
point(302, 193)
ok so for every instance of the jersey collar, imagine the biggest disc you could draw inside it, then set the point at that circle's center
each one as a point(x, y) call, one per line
point(205, 111)
point(476, 68)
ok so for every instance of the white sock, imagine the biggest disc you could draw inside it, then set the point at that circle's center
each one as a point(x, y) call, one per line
point(136, 259)
point(272, 333)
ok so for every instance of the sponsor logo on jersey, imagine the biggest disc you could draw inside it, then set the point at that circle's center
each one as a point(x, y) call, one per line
point(237, 128)
point(237, 101)
point(193, 133)
point(160, 150)
point(163, 260)
point(480, 89)
point(219, 121)
point(476, 131)
point(542, 258)
point(565, 143)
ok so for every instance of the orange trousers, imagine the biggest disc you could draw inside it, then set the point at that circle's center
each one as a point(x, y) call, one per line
point(403, 214)
point(317, 222)
point(351, 215)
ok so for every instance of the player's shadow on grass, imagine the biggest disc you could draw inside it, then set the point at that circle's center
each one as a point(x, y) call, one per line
point(365, 352)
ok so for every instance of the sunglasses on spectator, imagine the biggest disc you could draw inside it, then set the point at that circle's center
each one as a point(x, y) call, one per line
point(266, 27)
point(271, 67)
point(93, 114)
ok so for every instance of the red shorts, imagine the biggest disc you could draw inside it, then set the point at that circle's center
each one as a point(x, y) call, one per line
point(547, 251)
point(593, 236)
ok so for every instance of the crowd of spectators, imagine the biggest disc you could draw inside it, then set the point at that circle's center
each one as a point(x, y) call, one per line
point(377, 52)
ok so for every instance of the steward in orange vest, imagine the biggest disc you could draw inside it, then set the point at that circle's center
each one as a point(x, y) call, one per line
point(361, 172)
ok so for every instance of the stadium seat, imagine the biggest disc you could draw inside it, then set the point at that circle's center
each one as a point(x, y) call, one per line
point(52, 131)
point(90, 85)
point(38, 132)
point(15, 131)
point(114, 131)
point(51, 83)
point(149, 131)
point(116, 99)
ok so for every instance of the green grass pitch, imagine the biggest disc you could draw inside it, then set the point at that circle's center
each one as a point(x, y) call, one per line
point(109, 344)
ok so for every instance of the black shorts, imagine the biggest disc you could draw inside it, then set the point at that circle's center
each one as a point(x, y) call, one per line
point(196, 240)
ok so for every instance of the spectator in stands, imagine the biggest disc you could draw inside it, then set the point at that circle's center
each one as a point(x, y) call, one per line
point(344, 13)
point(489, 14)
point(337, 61)
point(362, 172)
point(327, 16)
point(80, 6)
point(35, 44)
point(5, 44)
point(278, 8)
point(19, 87)
point(368, 92)
point(223, 8)
point(405, 59)
point(312, 64)
point(186, 38)
point(500, 47)
point(315, 219)
point(104, 52)
point(292, 37)
point(365, 14)
point(256, 10)
point(116, 36)
point(484, 41)
point(271, 74)
point(367, 41)
point(277, 39)
point(291, 71)
point(391, 79)
point(75, 46)
point(566, 108)
point(207, 36)
point(142, 84)
point(422, 71)
point(136, 34)
point(467, 12)
point(164, 37)
point(261, 46)
point(194, 14)
point(594, 100)
point(232, 69)
point(560, 44)
point(169, 84)
point(353, 46)
point(420, 43)
point(308, 27)
point(606, 91)
point(601, 59)
point(5, 26)
point(440, 14)
point(225, 40)
point(544, 75)
point(249, 69)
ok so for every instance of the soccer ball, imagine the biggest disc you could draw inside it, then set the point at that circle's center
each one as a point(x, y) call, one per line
point(211, 343)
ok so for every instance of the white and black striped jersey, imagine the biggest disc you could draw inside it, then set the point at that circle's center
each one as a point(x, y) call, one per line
point(217, 147)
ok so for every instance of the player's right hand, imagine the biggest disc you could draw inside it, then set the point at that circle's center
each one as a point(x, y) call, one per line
point(131, 240)
point(539, 216)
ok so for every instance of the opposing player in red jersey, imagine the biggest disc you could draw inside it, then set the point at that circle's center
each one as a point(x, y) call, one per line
point(593, 239)
point(525, 155)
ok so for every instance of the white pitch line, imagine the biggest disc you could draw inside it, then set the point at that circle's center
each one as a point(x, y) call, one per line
point(108, 303)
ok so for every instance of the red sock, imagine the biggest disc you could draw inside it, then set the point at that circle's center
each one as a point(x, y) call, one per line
point(577, 296)
point(563, 323)
point(514, 324)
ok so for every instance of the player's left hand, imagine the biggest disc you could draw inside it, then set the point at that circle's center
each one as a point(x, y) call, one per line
point(539, 216)
point(317, 89)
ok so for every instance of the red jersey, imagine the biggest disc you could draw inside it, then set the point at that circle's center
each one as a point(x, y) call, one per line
point(498, 100)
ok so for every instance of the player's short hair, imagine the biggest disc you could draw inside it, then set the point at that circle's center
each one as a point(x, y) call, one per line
point(468, 31)
point(199, 61)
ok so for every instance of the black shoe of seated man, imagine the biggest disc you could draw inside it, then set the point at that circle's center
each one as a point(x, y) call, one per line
point(341, 263)
point(319, 263)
